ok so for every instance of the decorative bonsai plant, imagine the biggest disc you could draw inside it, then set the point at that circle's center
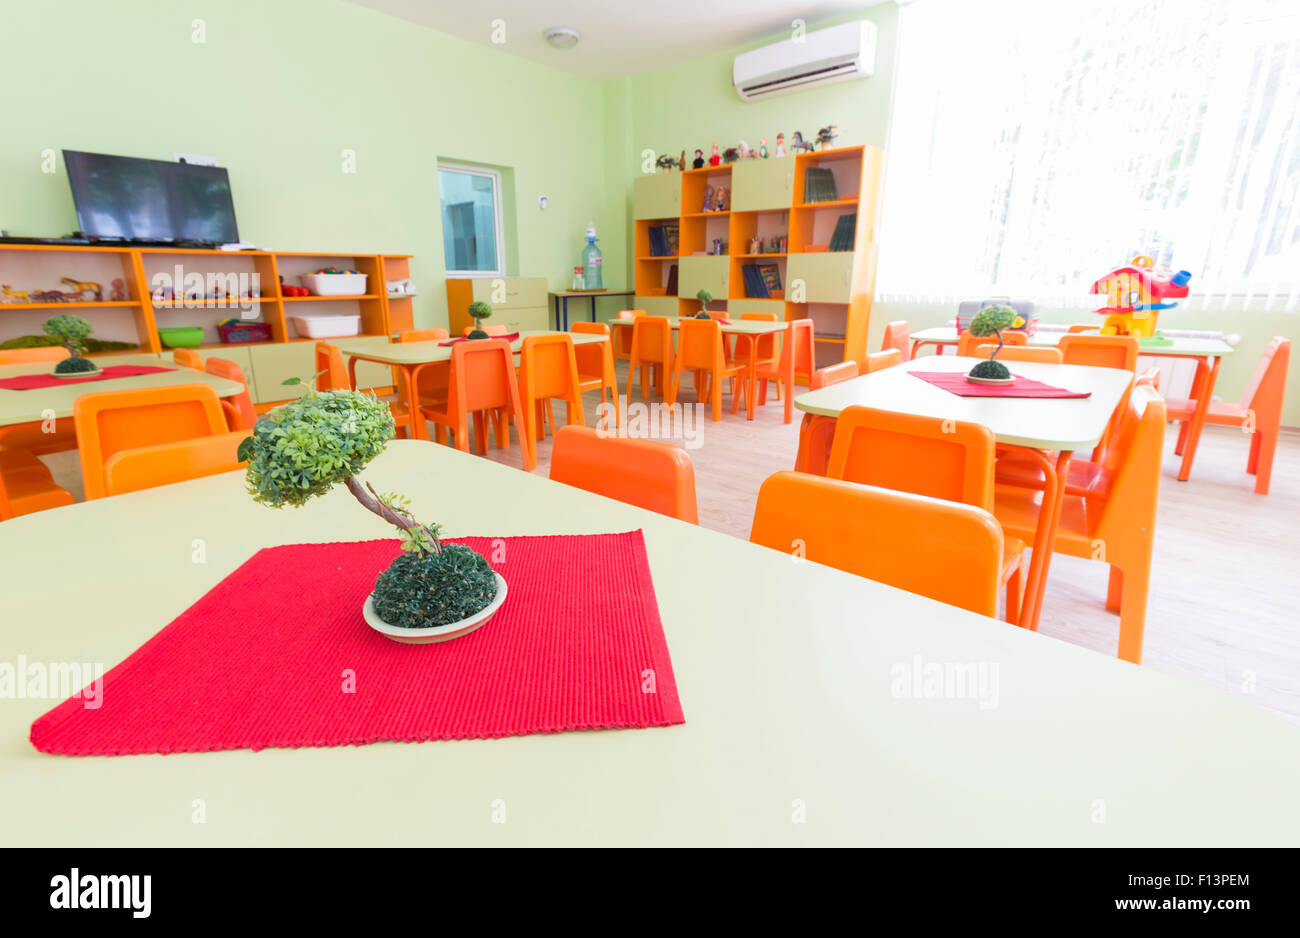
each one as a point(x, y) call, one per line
point(304, 448)
point(991, 320)
point(705, 298)
point(72, 332)
point(480, 311)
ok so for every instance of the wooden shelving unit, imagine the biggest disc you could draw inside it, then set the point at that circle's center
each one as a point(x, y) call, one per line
point(766, 198)
point(140, 316)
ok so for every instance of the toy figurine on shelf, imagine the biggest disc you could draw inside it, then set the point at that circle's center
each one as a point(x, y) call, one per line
point(119, 293)
point(730, 155)
point(720, 199)
point(698, 163)
point(715, 159)
point(1135, 295)
point(666, 163)
point(826, 136)
point(15, 296)
point(83, 287)
point(797, 145)
point(708, 199)
point(780, 144)
point(742, 150)
point(762, 148)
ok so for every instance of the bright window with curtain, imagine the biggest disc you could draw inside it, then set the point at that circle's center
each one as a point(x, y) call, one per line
point(472, 230)
point(1037, 144)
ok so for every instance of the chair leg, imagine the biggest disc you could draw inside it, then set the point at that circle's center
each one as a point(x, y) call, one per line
point(715, 393)
point(1015, 593)
point(613, 396)
point(1252, 461)
point(1133, 614)
point(1264, 460)
point(1184, 429)
point(1115, 589)
point(762, 391)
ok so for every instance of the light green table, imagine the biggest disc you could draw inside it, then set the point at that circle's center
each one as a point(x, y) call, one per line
point(802, 724)
point(41, 403)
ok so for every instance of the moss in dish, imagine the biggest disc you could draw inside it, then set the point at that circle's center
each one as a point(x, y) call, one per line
point(990, 369)
point(421, 591)
point(72, 366)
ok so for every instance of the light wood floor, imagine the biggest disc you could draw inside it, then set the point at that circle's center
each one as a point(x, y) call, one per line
point(1226, 569)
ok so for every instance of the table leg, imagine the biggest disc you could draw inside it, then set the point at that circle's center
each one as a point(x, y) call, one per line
point(565, 327)
point(419, 430)
point(1198, 418)
point(555, 308)
point(1049, 516)
point(593, 308)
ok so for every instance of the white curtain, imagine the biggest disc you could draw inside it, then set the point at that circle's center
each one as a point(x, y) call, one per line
point(1036, 144)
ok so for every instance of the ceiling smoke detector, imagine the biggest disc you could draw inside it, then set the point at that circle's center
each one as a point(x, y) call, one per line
point(562, 37)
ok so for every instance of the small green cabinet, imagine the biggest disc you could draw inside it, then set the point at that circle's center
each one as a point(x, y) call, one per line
point(657, 196)
point(822, 277)
point(762, 185)
point(656, 305)
point(704, 272)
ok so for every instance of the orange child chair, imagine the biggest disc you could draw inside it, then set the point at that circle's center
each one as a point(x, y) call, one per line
point(1082, 327)
point(433, 377)
point(898, 335)
point(936, 548)
point(700, 349)
point(952, 460)
point(966, 342)
point(548, 369)
point(652, 351)
point(489, 328)
point(32, 436)
point(481, 381)
point(1100, 351)
point(762, 349)
point(240, 414)
point(1262, 402)
point(817, 433)
point(623, 334)
point(109, 422)
point(596, 364)
point(187, 358)
point(796, 358)
point(26, 485)
point(1118, 518)
point(645, 473)
point(332, 375)
point(879, 361)
point(1020, 353)
point(147, 467)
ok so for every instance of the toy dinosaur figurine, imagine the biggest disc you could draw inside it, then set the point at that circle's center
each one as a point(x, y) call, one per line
point(83, 287)
point(797, 144)
point(826, 136)
point(19, 296)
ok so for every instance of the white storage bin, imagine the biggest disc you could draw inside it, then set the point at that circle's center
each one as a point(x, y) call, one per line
point(334, 284)
point(325, 327)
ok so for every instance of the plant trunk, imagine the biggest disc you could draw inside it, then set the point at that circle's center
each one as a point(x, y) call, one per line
point(371, 501)
point(997, 350)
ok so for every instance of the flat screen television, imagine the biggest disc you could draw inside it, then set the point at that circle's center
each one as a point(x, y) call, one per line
point(121, 198)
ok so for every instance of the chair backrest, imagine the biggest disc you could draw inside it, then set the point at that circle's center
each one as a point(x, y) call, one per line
point(879, 361)
point(111, 421)
point(1267, 385)
point(239, 410)
point(1020, 353)
point(1082, 327)
point(1134, 457)
point(46, 353)
point(549, 368)
point(833, 374)
point(797, 354)
point(187, 358)
point(590, 355)
point(1100, 351)
point(332, 373)
point(482, 376)
point(630, 313)
point(930, 456)
point(151, 466)
point(967, 342)
point(423, 335)
point(652, 339)
point(699, 345)
point(1150, 377)
point(764, 346)
point(898, 335)
point(940, 549)
point(646, 473)
point(489, 328)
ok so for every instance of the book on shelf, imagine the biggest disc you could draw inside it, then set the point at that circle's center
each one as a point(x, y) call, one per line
point(755, 288)
point(672, 280)
point(819, 185)
point(771, 275)
point(845, 229)
point(670, 233)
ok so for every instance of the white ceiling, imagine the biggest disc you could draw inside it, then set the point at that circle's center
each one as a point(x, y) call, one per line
point(619, 37)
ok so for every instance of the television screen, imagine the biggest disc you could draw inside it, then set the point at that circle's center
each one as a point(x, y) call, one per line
point(123, 198)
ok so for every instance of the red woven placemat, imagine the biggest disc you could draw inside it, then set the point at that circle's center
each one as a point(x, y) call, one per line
point(509, 337)
point(277, 654)
point(31, 382)
point(956, 383)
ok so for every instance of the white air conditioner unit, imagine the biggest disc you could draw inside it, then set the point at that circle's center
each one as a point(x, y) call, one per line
point(835, 54)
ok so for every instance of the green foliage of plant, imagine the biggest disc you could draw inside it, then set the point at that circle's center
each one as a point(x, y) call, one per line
point(74, 365)
point(990, 369)
point(304, 447)
point(49, 341)
point(70, 330)
point(704, 296)
point(991, 320)
point(420, 591)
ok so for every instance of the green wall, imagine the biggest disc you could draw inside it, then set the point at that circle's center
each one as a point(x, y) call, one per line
point(277, 92)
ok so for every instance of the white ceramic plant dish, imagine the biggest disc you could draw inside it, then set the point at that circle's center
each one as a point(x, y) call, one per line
point(440, 633)
point(78, 374)
point(995, 381)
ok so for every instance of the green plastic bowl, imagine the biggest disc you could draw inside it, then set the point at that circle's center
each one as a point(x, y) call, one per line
point(182, 337)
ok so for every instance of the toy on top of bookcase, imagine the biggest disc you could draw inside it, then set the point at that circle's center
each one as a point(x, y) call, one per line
point(798, 145)
point(780, 144)
point(698, 162)
point(826, 135)
point(667, 163)
point(1135, 295)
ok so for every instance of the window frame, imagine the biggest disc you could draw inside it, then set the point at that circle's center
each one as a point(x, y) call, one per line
point(499, 215)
